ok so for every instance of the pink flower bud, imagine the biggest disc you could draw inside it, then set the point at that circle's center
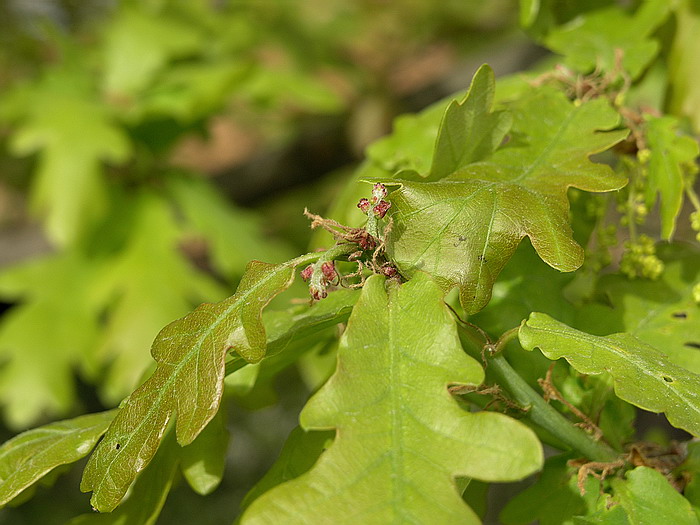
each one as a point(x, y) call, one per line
point(389, 271)
point(378, 192)
point(381, 208)
point(306, 272)
point(363, 205)
point(329, 273)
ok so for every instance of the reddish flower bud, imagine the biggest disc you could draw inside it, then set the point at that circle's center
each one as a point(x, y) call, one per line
point(381, 208)
point(363, 205)
point(378, 192)
point(389, 271)
point(367, 243)
point(329, 273)
point(306, 272)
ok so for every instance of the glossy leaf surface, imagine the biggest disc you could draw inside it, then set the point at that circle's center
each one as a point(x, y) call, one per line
point(464, 228)
point(147, 285)
point(642, 375)
point(31, 455)
point(401, 439)
point(188, 381)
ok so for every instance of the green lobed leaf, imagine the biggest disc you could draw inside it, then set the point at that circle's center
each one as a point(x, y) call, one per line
point(593, 39)
point(52, 331)
point(661, 313)
point(147, 284)
point(470, 130)
point(642, 375)
point(464, 228)
point(401, 439)
point(647, 497)
point(31, 455)
point(73, 135)
point(671, 154)
point(146, 500)
point(139, 45)
point(188, 380)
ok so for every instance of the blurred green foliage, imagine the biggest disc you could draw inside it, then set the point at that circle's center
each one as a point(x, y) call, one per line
point(99, 102)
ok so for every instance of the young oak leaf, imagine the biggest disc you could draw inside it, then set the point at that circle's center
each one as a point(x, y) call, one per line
point(188, 381)
point(31, 455)
point(642, 375)
point(463, 228)
point(401, 439)
point(470, 130)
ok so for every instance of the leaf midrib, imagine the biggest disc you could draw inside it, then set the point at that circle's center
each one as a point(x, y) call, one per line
point(195, 349)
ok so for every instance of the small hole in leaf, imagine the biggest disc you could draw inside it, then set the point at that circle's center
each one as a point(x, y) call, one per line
point(668, 379)
point(692, 344)
point(118, 446)
point(679, 315)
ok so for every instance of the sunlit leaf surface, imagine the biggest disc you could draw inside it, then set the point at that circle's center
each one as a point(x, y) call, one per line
point(463, 228)
point(642, 375)
point(401, 439)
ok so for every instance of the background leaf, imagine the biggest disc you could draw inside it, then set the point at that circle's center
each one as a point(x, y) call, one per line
point(661, 313)
point(204, 460)
point(401, 438)
point(671, 155)
point(73, 135)
point(147, 284)
point(464, 228)
point(31, 455)
point(53, 331)
point(554, 498)
point(592, 39)
point(646, 496)
point(643, 376)
point(188, 380)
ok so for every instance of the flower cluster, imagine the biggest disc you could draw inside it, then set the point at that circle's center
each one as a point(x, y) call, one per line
point(695, 223)
point(325, 276)
point(376, 206)
point(640, 260)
